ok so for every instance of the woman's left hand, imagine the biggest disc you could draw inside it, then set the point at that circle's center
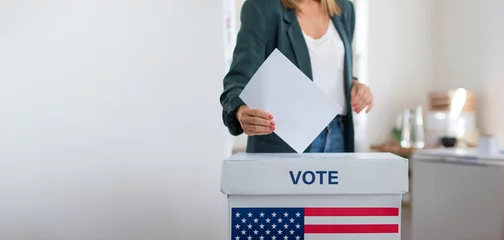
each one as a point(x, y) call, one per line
point(361, 97)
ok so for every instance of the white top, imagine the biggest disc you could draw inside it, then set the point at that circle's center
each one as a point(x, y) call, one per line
point(327, 55)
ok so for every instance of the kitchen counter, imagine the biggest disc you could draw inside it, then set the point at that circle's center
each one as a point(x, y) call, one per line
point(457, 195)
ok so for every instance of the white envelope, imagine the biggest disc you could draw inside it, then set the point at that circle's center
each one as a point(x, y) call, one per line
point(301, 110)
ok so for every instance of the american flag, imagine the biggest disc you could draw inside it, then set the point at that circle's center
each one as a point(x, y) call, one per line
point(315, 223)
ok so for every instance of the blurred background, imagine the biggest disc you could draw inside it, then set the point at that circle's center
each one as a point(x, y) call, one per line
point(110, 124)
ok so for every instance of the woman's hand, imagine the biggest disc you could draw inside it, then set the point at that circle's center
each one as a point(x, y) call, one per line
point(361, 97)
point(254, 121)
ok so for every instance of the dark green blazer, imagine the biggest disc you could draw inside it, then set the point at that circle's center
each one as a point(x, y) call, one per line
point(266, 25)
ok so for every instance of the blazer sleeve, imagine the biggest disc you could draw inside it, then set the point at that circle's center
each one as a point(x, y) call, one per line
point(248, 55)
point(350, 19)
point(349, 16)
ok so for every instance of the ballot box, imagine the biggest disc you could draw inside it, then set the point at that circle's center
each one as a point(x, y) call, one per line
point(315, 196)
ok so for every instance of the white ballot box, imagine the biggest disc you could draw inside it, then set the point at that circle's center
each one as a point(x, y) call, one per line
point(315, 196)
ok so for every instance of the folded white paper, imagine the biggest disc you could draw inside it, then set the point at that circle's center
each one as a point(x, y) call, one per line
point(301, 110)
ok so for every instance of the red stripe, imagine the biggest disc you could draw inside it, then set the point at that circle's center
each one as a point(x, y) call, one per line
point(349, 229)
point(351, 212)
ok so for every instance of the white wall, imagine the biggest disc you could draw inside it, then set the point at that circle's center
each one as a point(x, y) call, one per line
point(399, 60)
point(493, 74)
point(109, 120)
point(469, 53)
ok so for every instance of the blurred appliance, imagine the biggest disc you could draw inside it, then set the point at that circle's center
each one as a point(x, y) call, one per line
point(412, 129)
point(457, 194)
point(451, 115)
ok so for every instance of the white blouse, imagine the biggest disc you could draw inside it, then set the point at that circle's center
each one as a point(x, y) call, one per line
point(327, 55)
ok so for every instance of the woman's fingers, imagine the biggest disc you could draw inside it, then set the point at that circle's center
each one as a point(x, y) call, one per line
point(359, 100)
point(253, 130)
point(259, 113)
point(258, 121)
point(362, 99)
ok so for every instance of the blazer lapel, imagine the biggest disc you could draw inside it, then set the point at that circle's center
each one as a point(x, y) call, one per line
point(348, 51)
point(298, 42)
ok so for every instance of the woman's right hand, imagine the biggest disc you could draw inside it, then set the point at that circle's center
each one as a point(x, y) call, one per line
point(254, 121)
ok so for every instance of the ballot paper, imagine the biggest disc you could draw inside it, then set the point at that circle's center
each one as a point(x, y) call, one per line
point(301, 110)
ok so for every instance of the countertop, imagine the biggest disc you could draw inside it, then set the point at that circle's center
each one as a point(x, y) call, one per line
point(466, 156)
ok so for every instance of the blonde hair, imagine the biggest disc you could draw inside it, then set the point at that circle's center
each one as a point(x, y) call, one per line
point(329, 5)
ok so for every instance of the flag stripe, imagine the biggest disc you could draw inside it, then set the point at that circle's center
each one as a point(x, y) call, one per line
point(385, 236)
point(348, 229)
point(337, 212)
point(351, 220)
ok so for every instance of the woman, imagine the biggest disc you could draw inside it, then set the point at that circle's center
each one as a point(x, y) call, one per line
point(317, 37)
